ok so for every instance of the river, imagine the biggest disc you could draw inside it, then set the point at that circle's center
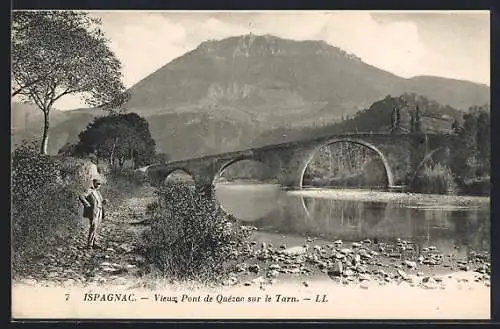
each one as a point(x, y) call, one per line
point(451, 228)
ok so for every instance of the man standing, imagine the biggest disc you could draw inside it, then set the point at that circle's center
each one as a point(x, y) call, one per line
point(93, 203)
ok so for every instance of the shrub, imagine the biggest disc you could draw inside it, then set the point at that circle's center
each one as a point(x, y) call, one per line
point(434, 179)
point(44, 208)
point(189, 238)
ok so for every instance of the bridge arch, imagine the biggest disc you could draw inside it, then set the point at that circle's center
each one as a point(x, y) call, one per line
point(389, 174)
point(170, 171)
point(228, 163)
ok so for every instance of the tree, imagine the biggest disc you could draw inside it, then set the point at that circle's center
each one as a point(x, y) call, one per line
point(118, 137)
point(418, 120)
point(60, 53)
point(472, 157)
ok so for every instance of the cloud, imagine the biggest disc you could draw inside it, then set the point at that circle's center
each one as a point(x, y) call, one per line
point(143, 43)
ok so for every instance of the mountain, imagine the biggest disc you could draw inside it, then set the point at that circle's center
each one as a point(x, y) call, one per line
point(226, 93)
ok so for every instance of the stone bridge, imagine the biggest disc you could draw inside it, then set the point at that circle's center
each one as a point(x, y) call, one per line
point(401, 154)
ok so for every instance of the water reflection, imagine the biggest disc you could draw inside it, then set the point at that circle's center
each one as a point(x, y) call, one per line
point(276, 210)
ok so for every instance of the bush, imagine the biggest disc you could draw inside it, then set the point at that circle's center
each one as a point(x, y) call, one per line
point(44, 207)
point(189, 238)
point(120, 184)
point(434, 179)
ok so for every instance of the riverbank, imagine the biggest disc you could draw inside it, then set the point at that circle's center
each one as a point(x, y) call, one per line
point(427, 200)
point(360, 279)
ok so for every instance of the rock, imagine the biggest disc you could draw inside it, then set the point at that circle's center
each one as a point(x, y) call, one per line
point(437, 279)
point(361, 269)
point(305, 283)
point(356, 260)
point(336, 269)
point(339, 256)
point(428, 279)
point(364, 277)
point(272, 274)
point(364, 254)
point(294, 271)
point(420, 273)
point(337, 243)
point(274, 267)
point(247, 283)
point(410, 264)
point(403, 274)
point(348, 272)
point(363, 286)
point(295, 250)
point(356, 245)
point(254, 268)
point(346, 251)
point(429, 262)
point(367, 241)
point(432, 248)
point(463, 267)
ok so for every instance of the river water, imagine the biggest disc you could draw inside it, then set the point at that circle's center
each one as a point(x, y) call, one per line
point(454, 230)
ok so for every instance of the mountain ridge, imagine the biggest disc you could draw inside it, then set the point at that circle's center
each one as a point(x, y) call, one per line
point(255, 84)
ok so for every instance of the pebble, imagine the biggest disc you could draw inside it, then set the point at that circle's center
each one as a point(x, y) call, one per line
point(364, 277)
point(410, 264)
point(254, 268)
point(403, 274)
point(336, 269)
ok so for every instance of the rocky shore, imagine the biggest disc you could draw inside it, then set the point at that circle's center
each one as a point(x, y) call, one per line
point(361, 263)
point(436, 200)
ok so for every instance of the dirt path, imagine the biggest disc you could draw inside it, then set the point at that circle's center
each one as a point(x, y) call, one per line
point(117, 260)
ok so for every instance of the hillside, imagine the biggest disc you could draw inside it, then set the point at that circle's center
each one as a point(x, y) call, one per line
point(435, 118)
point(226, 93)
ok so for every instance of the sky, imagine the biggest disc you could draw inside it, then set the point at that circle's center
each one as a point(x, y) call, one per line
point(447, 44)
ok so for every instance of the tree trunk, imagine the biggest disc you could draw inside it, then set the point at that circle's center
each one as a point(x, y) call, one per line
point(45, 136)
point(112, 156)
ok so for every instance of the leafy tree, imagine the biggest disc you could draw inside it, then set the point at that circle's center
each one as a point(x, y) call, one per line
point(118, 137)
point(472, 155)
point(60, 53)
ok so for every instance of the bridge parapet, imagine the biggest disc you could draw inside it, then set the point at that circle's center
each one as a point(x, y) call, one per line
point(400, 154)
